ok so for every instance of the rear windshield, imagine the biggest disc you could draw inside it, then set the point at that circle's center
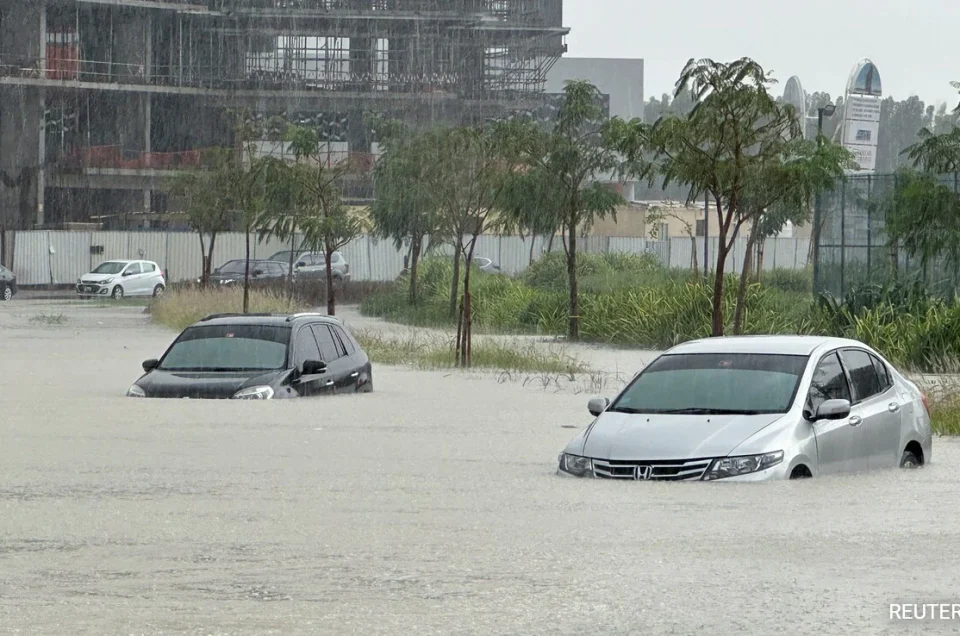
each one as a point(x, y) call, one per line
point(229, 348)
point(745, 383)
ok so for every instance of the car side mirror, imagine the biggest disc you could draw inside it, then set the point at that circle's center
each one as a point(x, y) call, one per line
point(258, 272)
point(832, 410)
point(301, 264)
point(596, 406)
point(150, 365)
point(127, 273)
point(314, 367)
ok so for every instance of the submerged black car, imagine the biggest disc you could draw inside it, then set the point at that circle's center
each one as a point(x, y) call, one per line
point(258, 357)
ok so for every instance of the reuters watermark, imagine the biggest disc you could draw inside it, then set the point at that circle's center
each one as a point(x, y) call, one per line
point(925, 611)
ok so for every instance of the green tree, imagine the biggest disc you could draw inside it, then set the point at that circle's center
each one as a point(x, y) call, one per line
point(405, 209)
point(735, 137)
point(208, 200)
point(566, 160)
point(327, 224)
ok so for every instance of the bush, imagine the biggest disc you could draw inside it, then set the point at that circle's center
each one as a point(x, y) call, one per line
point(181, 308)
point(798, 281)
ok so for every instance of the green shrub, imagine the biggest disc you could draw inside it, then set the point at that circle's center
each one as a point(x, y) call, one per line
point(798, 281)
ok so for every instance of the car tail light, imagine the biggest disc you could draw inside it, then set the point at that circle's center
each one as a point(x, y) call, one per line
point(926, 405)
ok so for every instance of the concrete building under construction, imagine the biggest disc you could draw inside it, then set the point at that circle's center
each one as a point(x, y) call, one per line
point(101, 101)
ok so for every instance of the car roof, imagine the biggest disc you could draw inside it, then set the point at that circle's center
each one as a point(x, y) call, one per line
point(275, 320)
point(783, 345)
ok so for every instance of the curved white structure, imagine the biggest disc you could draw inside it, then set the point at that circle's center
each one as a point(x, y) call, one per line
point(861, 117)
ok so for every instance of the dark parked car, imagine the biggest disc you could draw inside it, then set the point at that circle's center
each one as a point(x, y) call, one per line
point(258, 357)
point(8, 283)
point(263, 273)
point(313, 266)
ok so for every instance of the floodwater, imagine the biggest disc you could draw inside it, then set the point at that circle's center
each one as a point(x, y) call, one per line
point(428, 507)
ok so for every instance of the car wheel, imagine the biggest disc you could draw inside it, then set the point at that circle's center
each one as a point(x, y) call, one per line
point(158, 291)
point(117, 293)
point(909, 460)
point(7, 293)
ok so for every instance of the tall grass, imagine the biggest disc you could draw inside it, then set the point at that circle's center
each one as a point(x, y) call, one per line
point(178, 309)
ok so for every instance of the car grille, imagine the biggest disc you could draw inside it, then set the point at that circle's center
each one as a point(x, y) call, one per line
point(656, 470)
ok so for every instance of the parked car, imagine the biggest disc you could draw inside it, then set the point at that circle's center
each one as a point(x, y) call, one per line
point(313, 266)
point(486, 265)
point(120, 278)
point(756, 408)
point(8, 284)
point(263, 273)
point(258, 357)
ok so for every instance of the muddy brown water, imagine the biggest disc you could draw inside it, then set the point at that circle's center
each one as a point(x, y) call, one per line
point(428, 507)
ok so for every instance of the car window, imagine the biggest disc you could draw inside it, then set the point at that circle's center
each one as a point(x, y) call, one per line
point(306, 259)
point(328, 348)
point(345, 341)
point(829, 383)
point(148, 268)
point(133, 268)
point(274, 269)
point(109, 267)
point(306, 347)
point(714, 382)
point(863, 375)
point(228, 348)
point(882, 373)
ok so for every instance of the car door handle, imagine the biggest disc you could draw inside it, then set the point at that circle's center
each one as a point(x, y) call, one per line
point(893, 407)
point(855, 420)
point(355, 374)
point(328, 383)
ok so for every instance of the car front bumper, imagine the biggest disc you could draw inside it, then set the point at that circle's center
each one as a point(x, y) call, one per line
point(92, 289)
point(781, 471)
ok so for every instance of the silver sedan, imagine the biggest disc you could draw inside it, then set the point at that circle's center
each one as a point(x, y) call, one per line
point(755, 408)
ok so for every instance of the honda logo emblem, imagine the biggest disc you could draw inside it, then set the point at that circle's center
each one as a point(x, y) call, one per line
point(642, 473)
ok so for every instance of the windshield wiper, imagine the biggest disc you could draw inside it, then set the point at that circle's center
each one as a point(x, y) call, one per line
point(624, 409)
point(705, 411)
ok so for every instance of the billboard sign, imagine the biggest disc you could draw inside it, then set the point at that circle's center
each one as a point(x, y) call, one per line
point(861, 119)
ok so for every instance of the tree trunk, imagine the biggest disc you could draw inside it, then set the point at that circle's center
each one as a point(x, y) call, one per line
point(694, 250)
point(533, 243)
point(415, 247)
point(455, 283)
point(293, 256)
point(203, 257)
point(550, 243)
point(206, 273)
point(758, 264)
point(717, 327)
point(467, 334)
point(744, 281)
point(331, 294)
point(246, 276)
point(574, 333)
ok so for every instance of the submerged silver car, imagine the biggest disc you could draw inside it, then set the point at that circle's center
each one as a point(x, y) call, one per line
point(755, 408)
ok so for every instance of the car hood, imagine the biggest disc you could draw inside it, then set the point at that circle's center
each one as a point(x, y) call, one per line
point(98, 278)
point(205, 385)
point(627, 436)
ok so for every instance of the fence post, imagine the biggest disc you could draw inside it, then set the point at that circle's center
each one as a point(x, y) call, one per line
point(869, 223)
point(843, 237)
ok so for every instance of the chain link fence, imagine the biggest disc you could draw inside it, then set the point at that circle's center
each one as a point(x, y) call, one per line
point(852, 247)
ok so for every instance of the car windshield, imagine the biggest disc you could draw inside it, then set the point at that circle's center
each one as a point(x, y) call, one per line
point(110, 267)
point(714, 383)
point(281, 256)
point(237, 267)
point(228, 348)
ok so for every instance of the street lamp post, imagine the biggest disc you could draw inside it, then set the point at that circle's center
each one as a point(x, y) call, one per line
point(826, 111)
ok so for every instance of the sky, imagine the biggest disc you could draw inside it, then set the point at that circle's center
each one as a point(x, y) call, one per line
point(912, 42)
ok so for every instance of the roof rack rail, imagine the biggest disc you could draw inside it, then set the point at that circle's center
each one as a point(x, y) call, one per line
point(235, 315)
point(317, 314)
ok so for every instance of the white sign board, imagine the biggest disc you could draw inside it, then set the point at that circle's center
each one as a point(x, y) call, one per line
point(861, 130)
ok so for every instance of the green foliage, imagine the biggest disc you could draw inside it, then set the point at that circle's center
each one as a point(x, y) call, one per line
point(629, 300)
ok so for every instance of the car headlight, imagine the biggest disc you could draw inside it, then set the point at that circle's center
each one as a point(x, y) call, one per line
point(576, 466)
point(136, 391)
point(733, 466)
point(254, 393)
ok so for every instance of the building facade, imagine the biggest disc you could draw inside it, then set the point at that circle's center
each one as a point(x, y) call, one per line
point(102, 101)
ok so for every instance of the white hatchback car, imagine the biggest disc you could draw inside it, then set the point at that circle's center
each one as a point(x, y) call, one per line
point(120, 278)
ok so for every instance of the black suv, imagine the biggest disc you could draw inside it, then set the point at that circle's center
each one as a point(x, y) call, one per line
point(258, 357)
